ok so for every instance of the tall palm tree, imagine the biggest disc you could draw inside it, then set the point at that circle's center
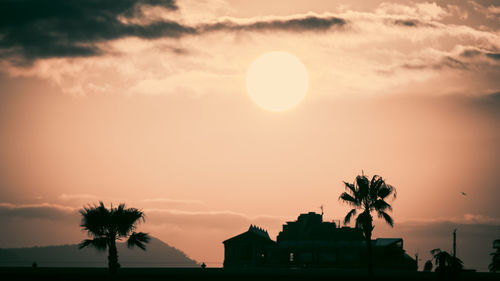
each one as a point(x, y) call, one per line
point(446, 262)
point(366, 197)
point(495, 257)
point(105, 226)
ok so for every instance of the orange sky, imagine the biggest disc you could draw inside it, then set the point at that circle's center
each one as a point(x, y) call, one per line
point(165, 124)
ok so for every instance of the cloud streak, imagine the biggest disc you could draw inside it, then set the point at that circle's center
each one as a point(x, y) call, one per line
point(49, 29)
point(173, 202)
point(37, 211)
point(298, 24)
point(223, 220)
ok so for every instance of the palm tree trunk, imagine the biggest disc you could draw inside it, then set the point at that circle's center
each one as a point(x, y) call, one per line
point(368, 237)
point(113, 257)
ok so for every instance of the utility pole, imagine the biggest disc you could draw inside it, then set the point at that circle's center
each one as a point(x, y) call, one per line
point(454, 243)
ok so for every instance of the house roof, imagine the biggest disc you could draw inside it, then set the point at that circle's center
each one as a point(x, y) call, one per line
point(259, 231)
point(382, 242)
point(253, 231)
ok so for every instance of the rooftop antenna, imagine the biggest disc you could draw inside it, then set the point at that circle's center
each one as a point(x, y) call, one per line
point(454, 243)
point(321, 208)
point(417, 258)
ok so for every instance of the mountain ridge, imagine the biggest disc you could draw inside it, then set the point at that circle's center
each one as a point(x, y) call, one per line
point(157, 254)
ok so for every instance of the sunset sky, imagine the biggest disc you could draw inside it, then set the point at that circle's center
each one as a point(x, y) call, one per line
point(146, 102)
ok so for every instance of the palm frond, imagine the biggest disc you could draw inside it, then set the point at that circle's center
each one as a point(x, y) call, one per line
point(436, 251)
point(386, 190)
point(98, 243)
point(363, 186)
point(381, 205)
point(138, 239)
point(349, 215)
point(349, 199)
point(125, 219)
point(95, 219)
point(351, 187)
point(375, 185)
point(387, 218)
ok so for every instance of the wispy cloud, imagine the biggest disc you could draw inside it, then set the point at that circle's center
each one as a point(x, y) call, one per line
point(468, 219)
point(297, 23)
point(173, 202)
point(65, 196)
point(37, 211)
point(222, 220)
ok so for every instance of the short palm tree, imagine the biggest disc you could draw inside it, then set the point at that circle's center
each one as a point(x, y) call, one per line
point(428, 266)
point(366, 197)
point(495, 257)
point(105, 226)
point(446, 262)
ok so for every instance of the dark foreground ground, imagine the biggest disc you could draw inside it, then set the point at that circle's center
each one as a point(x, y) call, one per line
point(219, 274)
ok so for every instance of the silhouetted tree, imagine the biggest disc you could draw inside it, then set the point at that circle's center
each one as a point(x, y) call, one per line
point(446, 262)
point(495, 257)
point(105, 226)
point(428, 266)
point(367, 196)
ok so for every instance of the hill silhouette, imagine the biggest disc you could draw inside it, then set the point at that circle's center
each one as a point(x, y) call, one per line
point(157, 254)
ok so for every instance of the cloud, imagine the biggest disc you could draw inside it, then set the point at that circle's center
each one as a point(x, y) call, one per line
point(65, 196)
point(411, 23)
point(425, 11)
point(173, 202)
point(37, 211)
point(490, 11)
point(216, 50)
point(309, 22)
point(460, 58)
point(466, 219)
point(31, 29)
point(222, 220)
point(61, 28)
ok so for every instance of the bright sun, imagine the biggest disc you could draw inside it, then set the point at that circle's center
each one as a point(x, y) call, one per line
point(277, 81)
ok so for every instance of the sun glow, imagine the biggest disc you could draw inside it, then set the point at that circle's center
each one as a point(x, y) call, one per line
point(277, 81)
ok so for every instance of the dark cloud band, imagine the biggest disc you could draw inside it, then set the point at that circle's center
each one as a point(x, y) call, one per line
point(310, 23)
point(35, 29)
point(32, 29)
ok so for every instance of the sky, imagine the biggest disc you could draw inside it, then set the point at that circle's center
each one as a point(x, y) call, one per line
point(145, 102)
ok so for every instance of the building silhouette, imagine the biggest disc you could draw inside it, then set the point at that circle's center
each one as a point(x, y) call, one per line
point(311, 242)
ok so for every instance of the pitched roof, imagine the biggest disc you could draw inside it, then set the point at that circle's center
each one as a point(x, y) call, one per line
point(381, 242)
point(259, 231)
point(254, 231)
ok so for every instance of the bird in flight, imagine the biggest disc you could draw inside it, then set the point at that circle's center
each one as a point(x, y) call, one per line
point(464, 194)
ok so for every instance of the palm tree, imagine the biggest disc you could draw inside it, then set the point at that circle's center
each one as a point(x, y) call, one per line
point(446, 262)
point(105, 226)
point(367, 196)
point(428, 266)
point(495, 257)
